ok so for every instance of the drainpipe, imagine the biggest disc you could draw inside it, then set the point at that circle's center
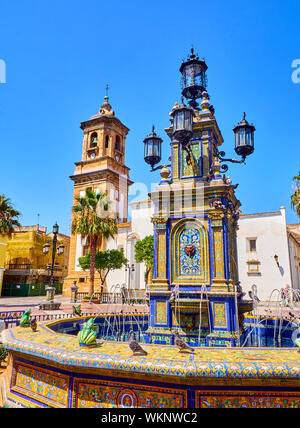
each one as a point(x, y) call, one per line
point(282, 210)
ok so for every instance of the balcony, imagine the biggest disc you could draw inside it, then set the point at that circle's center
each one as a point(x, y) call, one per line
point(19, 269)
point(21, 266)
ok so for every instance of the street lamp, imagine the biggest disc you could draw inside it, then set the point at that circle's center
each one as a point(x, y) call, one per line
point(244, 138)
point(244, 143)
point(194, 80)
point(46, 248)
point(194, 83)
point(152, 149)
point(182, 123)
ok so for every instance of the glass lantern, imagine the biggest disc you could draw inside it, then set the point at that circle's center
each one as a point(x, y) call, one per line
point(55, 229)
point(60, 250)
point(152, 148)
point(182, 123)
point(244, 138)
point(46, 248)
point(194, 80)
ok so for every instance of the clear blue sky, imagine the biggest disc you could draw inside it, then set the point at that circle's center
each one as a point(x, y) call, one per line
point(61, 54)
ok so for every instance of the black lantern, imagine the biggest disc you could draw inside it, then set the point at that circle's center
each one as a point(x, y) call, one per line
point(55, 229)
point(60, 250)
point(194, 80)
point(182, 123)
point(46, 248)
point(244, 138)
point(152, 153)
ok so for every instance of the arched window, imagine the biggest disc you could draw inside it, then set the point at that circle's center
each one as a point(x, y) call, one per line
point(94, 139)
point(106, 141)
point(118, 143)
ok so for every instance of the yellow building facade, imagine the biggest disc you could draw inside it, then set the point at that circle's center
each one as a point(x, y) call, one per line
point(101, 168)
point(25, 262)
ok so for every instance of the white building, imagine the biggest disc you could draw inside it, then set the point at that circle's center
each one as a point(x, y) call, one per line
point(129, 233)
point(294, 252)
point(264, 255)
point(268, 250)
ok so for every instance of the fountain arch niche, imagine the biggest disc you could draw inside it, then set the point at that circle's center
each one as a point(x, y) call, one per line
point(189, 253)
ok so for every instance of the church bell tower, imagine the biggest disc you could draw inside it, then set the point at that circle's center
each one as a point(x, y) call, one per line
point(101, 168)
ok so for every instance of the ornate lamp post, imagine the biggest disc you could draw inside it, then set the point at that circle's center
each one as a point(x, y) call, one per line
point(51, 289)
point(194, 83)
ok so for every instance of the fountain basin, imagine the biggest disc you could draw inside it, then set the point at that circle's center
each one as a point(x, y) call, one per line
point(49, 369)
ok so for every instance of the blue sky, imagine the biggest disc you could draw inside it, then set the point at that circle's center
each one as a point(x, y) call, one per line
point(61, 54)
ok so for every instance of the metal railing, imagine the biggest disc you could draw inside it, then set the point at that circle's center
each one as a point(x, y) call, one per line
point(133, 297)
point(12, 319)
point(18, 266)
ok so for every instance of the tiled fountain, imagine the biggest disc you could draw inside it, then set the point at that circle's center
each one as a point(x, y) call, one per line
point(195, 291)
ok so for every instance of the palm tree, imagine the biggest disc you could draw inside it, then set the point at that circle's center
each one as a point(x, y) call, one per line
point(8, 216)
point(295, 198)
point(92, 220)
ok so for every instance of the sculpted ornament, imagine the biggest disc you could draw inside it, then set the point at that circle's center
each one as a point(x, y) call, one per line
point(159, 220)
point(216, 214)
point(190, 250)
point(216, 203)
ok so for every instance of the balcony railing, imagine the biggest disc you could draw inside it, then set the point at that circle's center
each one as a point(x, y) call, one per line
point(131, 297)
point(21, 266)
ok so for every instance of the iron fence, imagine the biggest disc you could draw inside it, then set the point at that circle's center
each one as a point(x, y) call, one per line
point(12, 318)
point(131, 297)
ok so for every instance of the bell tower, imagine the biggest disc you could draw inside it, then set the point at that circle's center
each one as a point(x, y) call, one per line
point(101, 168)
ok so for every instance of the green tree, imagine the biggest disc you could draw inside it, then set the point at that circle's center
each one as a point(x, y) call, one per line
point(9, 217)
point(105, 262)
point(92, 220)
point(144, 253)
point(295, 198)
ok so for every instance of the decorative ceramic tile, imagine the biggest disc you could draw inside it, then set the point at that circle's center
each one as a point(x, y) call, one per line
point(190, 261)
point(99, 394)
point(208, 362)
point(218, 253)
point(161, 314)
point(44, 385)
point(228, 399)
point(220, 315)
point(161, 255)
